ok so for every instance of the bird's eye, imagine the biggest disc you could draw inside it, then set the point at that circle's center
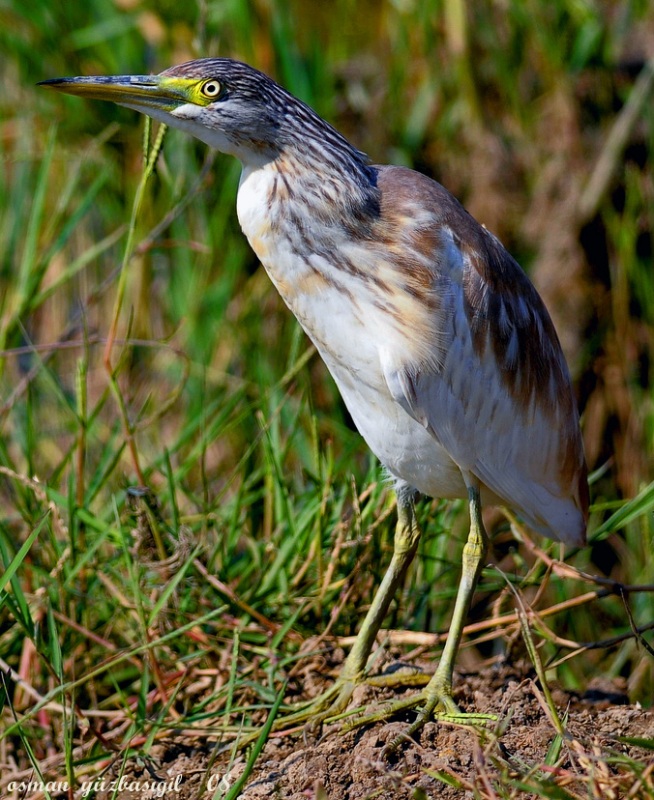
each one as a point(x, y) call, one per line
point(211, 89)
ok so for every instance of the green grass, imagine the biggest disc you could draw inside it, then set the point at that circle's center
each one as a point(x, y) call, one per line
point(216, 400)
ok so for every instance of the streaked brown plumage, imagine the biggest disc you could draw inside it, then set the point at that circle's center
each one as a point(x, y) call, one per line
point(441, 347)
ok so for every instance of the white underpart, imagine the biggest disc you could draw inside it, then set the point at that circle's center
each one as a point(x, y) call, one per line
point(354, 342)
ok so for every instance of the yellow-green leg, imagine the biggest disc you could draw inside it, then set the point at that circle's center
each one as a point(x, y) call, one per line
point(407, 535)
point(334, 701)
point(438, 692)
point(436, 698)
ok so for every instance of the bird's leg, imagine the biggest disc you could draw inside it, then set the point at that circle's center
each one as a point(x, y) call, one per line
point(407, 535)
point(438, 691)
point(334, 701)
point(436, 698)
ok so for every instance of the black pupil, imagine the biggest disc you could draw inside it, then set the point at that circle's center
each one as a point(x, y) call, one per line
point(211, 88)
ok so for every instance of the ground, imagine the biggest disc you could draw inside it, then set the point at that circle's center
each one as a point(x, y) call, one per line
point(605, 738)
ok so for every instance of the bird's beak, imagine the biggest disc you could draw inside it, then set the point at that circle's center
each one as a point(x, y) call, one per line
point(145, 93)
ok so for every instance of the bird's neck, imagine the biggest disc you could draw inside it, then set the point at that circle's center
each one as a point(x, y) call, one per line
point(323, 186)
point(342, 191)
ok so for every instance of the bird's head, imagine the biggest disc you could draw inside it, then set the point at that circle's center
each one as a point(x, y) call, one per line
point(225, 103)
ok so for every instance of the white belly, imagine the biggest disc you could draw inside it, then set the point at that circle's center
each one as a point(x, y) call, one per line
point(402, 445)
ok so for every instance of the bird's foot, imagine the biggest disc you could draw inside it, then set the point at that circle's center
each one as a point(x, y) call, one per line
point(332, 705)
point(307, 715)
point(328, 707)
point(435, 702)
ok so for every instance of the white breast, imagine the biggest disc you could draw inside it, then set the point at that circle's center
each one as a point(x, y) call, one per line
point(350, 331)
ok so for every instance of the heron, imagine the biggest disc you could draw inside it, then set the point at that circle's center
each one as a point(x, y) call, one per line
point(442, 350)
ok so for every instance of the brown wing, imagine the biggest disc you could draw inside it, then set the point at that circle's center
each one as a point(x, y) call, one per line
point(498, 397)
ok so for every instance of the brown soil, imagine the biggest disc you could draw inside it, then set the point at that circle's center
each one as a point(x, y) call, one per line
point(446, 761)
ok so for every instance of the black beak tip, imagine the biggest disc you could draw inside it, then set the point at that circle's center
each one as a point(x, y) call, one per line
point(51, 82)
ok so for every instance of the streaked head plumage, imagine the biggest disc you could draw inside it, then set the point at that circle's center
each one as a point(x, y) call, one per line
point(226, 103)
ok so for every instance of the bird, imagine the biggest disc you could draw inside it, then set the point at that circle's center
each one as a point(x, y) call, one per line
point(442, 349)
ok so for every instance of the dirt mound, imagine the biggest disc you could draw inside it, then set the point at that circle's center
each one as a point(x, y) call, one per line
point(522, 752)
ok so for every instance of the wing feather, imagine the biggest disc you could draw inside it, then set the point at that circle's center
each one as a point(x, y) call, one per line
point(499, 399)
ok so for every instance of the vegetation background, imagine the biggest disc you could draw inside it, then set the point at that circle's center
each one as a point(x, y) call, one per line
point(205, 503)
